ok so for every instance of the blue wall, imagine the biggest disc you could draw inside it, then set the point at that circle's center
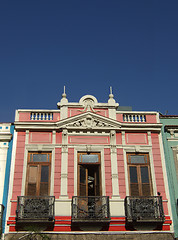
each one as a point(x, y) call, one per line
point(6, 180)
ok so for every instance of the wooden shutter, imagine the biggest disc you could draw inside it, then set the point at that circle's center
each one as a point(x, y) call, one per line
point(32, 180)
point(38, 174)
point(139, 175)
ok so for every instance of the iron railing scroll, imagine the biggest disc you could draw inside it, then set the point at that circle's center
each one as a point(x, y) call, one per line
point(144, 209)
point(35, 209)
point(90, 209)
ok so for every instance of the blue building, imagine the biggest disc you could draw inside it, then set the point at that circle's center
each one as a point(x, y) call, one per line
point(6, 133)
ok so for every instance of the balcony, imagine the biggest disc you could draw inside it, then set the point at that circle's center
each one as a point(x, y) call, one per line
point(144, 210)
point(1, 216)
point(139, 118)
point(37, 210)
point(90, 209)
point(41, 116)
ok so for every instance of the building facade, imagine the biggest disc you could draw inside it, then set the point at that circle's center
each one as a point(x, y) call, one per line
point(88, 167)
point(170, 142)
point(6, 133)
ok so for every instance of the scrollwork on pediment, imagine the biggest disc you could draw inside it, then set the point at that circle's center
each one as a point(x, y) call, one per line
point(89, 122)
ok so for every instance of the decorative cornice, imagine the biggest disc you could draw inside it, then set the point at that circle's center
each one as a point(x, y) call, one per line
point(5, 137)
point(171, 127)
point(175, 148)
point(89, 123)
point(88, 120)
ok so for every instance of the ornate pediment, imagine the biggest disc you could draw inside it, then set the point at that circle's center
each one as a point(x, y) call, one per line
point(91, 121)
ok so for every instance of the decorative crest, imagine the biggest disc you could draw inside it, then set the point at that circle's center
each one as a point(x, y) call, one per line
point(88, 102)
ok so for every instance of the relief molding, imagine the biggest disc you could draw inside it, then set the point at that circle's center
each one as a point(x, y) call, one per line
point(89, 122)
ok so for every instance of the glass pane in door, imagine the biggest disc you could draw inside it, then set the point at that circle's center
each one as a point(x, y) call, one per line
point(82, 184)
point(32, 180)
point(44, 180)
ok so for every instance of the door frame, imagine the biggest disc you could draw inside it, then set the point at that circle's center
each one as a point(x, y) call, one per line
point(88, 164)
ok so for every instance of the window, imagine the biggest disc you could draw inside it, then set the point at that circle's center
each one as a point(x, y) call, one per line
point(38, 174)
point(89, 174)
point(139, 174)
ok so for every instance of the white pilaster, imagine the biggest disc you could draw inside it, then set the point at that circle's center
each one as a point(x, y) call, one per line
point(64, 165)
point(114, 168)
point(54, 137)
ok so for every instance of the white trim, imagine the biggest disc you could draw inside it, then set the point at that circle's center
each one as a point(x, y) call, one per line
point(82, 99)
point(126, 172)
point(172, 139)
point(142, 149)
point(34, 148)
point(24, 172)
point(52, 172)
point(135, 112)
point(64, 166)
point(6, 137)
point(103, 181)
point(53, 137)
point(37, 110)
point(153, 177)
point(93, 148)
point(75, 171)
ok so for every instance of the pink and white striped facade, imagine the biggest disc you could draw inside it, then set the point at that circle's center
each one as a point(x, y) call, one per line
point(87, 126)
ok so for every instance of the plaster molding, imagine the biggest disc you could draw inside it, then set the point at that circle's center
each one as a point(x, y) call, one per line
point(88, 148)
point(175, 148)
point(64, 175)
point(114, 176)
point(39, 147)
point(6, 137)
point(172, 139)
point(113, 149)
point(138, 148)
point(64, 148)
point(54, 137)
point(90, 122)
point(88, 102)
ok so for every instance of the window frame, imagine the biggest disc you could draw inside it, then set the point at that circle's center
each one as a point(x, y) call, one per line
point(85, 164)
point(39, 165)
point(138, 169)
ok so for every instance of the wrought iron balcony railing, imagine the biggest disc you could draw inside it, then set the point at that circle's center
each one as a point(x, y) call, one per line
point(144, 209)
point(35, 209)
point(90, 209)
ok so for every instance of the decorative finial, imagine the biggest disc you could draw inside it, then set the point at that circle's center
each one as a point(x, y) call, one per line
point(64, 94)
point(111, 95)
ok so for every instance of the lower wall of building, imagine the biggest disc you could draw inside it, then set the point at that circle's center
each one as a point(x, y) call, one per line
point(64, 224)
point(98, 236)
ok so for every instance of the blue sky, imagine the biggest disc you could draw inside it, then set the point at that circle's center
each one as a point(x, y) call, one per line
point(88, 46)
